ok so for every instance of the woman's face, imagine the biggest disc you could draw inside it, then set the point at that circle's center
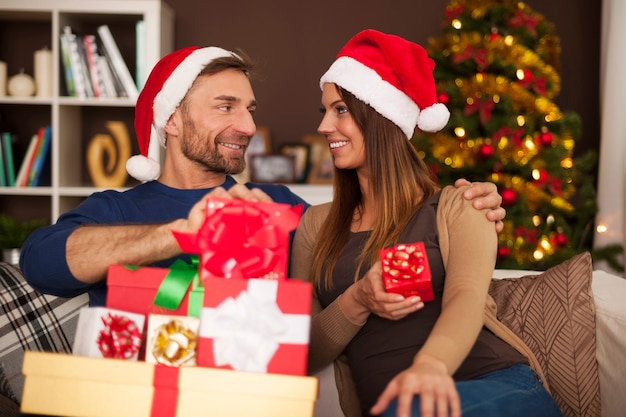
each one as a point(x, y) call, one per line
point(344, 137)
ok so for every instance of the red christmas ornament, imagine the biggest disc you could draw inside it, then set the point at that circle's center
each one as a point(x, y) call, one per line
point(509, 197)
point(486, 151)
point(546, 138)
point(443, 98)
point(503, 252)
point(560, 239)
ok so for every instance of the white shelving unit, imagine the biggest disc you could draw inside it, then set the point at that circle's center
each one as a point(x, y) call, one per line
point(73, 120)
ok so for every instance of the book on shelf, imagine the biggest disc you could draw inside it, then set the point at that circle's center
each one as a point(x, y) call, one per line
point(110, 71)
point(92, 55)
point(7, 162)
point(22, 176)
point(82, 83)
point(3, 176)
point(42, 159)
point(36, 160)
point(68, 77)
point(108, 82)
point(119, 66)
point(141, 66)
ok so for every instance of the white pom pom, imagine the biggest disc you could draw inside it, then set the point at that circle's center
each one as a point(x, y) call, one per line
point(142, 168)
point(433, 118)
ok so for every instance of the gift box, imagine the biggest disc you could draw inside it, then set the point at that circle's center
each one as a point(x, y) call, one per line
point(71, 386)
point(149, 290)
point(243, 239)
point(406, 270)
point(255, 325)
point(108, 333)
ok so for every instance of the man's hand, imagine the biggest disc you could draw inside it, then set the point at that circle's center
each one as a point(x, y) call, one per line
point(485, 195)
point(197, 213)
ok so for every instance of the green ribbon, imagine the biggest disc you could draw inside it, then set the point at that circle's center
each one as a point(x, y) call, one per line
point(181, 277)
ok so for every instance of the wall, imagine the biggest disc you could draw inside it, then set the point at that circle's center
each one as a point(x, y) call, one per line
point(296, 41)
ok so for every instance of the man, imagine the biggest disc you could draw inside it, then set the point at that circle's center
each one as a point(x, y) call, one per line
point(199, 104)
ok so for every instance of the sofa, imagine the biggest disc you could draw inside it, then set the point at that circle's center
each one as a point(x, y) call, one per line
point(572, 317)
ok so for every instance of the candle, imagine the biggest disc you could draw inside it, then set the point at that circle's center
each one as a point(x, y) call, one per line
point(43, 72)
point(3, 79)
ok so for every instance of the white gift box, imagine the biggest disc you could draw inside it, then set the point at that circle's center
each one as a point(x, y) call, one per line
point(101, 330)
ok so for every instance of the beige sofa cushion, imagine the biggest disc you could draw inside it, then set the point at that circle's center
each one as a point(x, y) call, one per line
point(554, 313)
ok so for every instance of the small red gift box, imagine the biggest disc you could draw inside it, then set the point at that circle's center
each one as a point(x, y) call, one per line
point(406, 270)
point(255, 325)
point(242, 239)
point(150, 290)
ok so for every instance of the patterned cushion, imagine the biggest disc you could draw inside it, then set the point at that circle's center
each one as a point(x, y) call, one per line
point(31, 321)
point(554, 314)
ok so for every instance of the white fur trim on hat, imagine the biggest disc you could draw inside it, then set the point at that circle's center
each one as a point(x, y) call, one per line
point(369, 87)
point(178, 84)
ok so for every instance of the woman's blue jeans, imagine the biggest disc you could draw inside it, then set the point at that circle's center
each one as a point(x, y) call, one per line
point(513, 392)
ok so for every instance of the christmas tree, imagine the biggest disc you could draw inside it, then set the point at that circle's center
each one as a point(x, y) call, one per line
point(497, 70)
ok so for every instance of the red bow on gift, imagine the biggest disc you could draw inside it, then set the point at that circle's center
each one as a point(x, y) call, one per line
point(120, 338)
point(242, 239)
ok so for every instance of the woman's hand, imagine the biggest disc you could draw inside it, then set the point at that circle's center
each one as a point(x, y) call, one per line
point(428, 378)
point(485, 195)
point(368, 295)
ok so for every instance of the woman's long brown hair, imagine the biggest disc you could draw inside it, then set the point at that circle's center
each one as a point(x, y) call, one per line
point(399, 181)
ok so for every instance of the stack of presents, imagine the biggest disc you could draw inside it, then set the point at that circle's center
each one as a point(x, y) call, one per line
point(224, 334)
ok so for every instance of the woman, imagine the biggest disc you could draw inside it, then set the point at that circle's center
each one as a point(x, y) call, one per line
point(401, 355)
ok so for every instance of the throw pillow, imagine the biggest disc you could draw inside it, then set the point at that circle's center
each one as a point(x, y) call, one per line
point(554, 314)
point(31, 321)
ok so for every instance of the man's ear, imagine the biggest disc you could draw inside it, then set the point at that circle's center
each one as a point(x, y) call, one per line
point(173, 124)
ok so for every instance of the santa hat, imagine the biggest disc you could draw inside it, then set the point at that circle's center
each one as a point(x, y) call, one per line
point(392, 75)
point(166, 86)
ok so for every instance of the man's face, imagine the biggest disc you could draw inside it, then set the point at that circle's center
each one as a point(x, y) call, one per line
point(218, 121)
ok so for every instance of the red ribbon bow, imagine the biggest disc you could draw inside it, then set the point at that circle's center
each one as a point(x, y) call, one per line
point(536, 84)
point(529, 22)
point(483, 107)
point(479, 55)
point(242, 239)
point(120, 338)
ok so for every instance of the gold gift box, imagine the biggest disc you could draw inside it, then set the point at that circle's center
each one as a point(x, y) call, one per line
point(67, 385)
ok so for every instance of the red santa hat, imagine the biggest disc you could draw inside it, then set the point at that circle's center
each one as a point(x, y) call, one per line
point(392, 75)
point(165, 87)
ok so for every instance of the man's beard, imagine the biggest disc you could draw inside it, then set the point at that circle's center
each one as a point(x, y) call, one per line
point(199, 150)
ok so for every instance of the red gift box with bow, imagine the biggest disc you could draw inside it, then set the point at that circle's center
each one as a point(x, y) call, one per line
point(242, 239)
point(406, 270)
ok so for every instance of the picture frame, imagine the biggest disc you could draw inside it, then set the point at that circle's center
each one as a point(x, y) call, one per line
point(322, 166)
point(300, 152)
point(273, 168)
point(260, 144)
